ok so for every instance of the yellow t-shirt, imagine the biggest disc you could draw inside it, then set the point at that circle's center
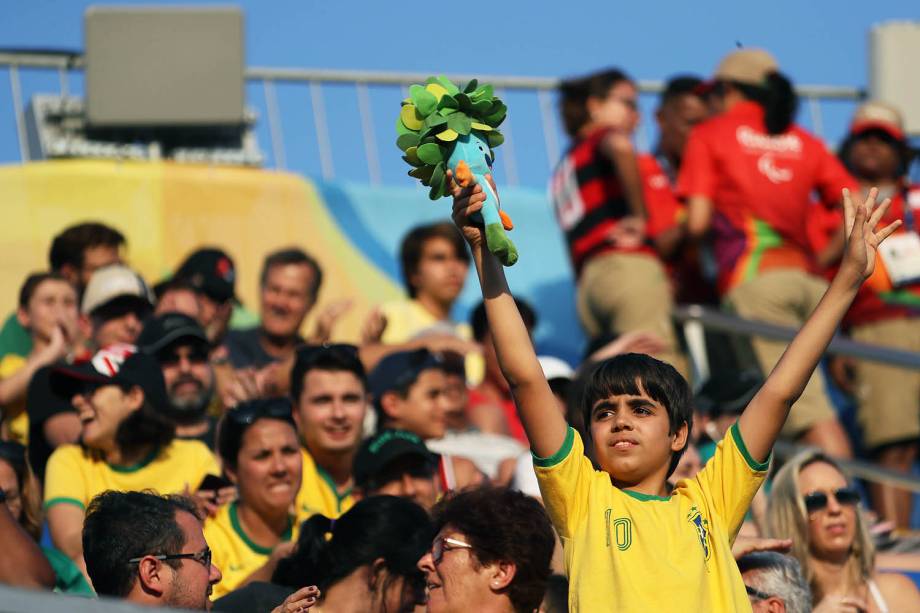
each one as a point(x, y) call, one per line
point(318, 493)
point(18, 425)
point(232, 551)
point(407, 319)
point(75, 476)
point(626, 551)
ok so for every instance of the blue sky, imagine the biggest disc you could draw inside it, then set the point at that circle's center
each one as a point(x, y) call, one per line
point(818, 41)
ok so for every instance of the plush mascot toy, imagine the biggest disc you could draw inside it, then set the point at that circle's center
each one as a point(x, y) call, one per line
point(441, 127)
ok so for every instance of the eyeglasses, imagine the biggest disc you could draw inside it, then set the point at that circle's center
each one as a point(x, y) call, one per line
point(196, 355)
point(817, 501)
point(202, 557)
point(439, 547)
point(244, 414)
point(756, 594)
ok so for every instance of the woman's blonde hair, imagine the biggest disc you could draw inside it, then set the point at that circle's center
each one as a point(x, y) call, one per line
point(788, 518)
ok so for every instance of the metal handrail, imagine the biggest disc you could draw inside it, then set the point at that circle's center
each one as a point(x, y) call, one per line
point(26, 58)
point(720, 321)
point(856, 468)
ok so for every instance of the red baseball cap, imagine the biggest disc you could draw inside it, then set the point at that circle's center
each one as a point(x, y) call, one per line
point(876, 115)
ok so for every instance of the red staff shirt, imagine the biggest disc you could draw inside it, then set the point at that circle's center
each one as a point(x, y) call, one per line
point(877, 299)
point(761, 187)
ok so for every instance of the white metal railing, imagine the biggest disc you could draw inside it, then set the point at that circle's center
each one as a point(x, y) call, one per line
point(314, 80)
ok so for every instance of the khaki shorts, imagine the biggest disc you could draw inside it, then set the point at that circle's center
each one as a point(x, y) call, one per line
point(626, 292)
point(889, 396)
point(787, 297)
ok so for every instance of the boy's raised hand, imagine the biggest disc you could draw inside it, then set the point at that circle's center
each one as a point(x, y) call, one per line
point(860, 222)
point(467, 201)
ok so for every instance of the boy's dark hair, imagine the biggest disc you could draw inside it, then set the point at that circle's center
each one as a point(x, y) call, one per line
point(678, 86)
point(480, 323)
point(504, 525)
point(624, 374)
point(410, 252)
point(120, 526)
point(394, 529)
point(292, 255)
point(335, 358)
point(69, 246)
point(31, 284)
point(574, 95)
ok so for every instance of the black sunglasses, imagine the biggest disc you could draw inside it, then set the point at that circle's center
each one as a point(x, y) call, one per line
point(756, 594)
point(196, 355)
point(202, 557)
point(246, 413)
point(817, 501)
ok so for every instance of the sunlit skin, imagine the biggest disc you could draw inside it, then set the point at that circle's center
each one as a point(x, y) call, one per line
point(94, 258)
point(10, 486)
point(330, 411)
point(633, 443)
point(458, 583)
point(53, 305)
point(268, 469)
point(192, 582)
point(832, 530)
point(424, 409)
point(286, 299)
point(179, 300)
point(410, 477)
point(188, 375)
point(675, 120)
point(102, 410)
point(439, 276)
point(124, 328)
point(873, 159)
point(620, 108)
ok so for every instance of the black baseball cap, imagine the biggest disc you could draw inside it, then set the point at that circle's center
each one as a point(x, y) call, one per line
point(114, 365)
point(210, 271)
point(384, 447)
point(399, 370)
point(167, 328)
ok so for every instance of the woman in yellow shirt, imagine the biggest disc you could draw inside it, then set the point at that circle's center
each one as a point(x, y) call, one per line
point(257, 442)
point(126, 442)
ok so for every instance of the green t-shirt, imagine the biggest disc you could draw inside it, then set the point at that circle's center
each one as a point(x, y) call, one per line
point(14, 338)
point(68, 578)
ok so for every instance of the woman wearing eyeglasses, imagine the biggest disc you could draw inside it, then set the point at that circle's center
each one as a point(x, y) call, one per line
point(257, 442)
point(362, 562)
point(813, 504)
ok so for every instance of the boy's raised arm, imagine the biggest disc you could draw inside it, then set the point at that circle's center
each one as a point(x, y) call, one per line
point(764, 417)
point(546, 428)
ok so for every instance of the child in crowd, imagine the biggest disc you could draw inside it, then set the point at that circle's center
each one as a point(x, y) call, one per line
point(627, 545)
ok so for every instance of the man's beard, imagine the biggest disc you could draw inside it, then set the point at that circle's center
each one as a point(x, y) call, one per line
point(190, 409)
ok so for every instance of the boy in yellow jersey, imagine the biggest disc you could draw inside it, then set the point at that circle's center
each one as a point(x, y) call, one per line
point(629, 546)
point(328, 389)
point(48, 312)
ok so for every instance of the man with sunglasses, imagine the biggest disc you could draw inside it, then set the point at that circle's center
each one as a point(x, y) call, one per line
point(148, 550)
point(774, 583)
point(181, 347)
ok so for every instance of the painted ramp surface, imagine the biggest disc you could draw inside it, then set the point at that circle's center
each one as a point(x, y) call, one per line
point(167, 210)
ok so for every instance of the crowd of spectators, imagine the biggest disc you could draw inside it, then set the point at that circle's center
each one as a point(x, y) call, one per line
point(152, 452)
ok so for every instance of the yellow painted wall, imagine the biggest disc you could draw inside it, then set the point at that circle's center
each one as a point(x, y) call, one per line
point(167, 210)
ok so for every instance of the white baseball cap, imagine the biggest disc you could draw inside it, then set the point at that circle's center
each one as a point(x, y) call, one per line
point(554, 368)
point(112, 282)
